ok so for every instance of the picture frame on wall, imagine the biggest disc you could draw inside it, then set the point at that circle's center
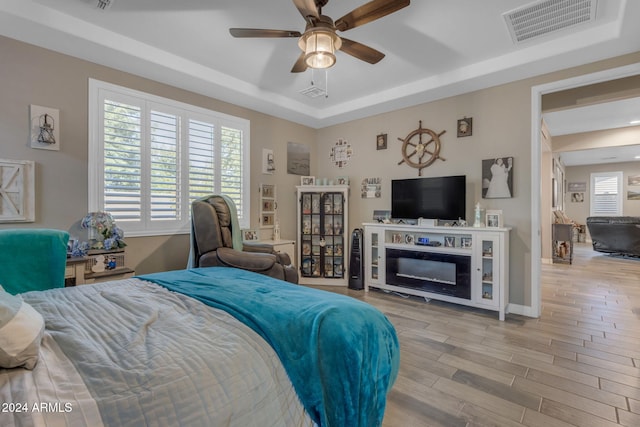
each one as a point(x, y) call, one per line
point(493, 218)
point(497, 178)
point(465, 127)
point(381, 141)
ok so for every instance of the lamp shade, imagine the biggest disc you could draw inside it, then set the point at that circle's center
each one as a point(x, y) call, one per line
point(319, 46)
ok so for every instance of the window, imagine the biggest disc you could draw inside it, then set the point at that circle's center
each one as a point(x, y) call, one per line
point(606, 194)
point(150, 157)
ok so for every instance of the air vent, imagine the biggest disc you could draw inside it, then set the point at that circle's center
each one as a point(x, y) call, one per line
point(313, 92)
point(104, 4)
point(549, 16)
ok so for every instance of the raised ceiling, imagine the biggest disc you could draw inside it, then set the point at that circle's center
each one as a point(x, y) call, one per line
point(433, 48)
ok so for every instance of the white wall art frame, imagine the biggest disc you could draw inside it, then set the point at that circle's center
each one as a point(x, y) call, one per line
point(17, 191)
point(44, 125)
point(268, 161)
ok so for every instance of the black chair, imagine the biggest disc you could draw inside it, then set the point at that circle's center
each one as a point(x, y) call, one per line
point(212, 240)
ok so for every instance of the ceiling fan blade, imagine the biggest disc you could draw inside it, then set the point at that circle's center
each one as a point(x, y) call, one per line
point(300, 65)
point(368, 12)
point(307, 8)
point(256, 32)
point(360, 51)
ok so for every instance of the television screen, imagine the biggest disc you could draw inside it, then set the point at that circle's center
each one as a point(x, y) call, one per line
point(431, 198)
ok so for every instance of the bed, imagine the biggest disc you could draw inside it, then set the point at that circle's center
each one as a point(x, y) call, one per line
point(203, 347)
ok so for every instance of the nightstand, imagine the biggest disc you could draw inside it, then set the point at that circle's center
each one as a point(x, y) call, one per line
point(78, 270)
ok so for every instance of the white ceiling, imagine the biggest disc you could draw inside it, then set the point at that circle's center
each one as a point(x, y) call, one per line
point(606, 115)
point(433, 48)
point(602, 116)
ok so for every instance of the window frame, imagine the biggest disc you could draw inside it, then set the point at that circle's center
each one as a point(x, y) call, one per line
point(619, 196)
point(98, 90)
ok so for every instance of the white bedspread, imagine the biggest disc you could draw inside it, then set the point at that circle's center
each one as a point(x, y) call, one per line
point(130, 353)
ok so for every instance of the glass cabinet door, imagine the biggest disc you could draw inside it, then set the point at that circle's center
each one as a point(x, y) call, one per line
point(488, 270)
point(322, 235)
point(373, 250)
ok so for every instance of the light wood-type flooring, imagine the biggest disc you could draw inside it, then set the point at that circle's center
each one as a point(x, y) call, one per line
point(577, 365)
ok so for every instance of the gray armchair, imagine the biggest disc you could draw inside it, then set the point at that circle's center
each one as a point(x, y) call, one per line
point(212, 224)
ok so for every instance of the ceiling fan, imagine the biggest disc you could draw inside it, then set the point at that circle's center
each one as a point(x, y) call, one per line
point(320, 41)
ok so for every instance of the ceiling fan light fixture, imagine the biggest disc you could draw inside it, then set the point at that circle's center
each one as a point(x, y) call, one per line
point(319, 46)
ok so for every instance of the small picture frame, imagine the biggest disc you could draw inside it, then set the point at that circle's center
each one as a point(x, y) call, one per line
point(465, 242)
point(449, 241)
point(465, 127)
point(250, 235)
point(396, 238)
point(268, 190)
point(493, 218)
point(308, 180)
point(381, 141)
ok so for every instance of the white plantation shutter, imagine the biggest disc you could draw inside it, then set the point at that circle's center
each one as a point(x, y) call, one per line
point(202, 159)
point(606, 197)
point(150, 157)
point(231, 167)
point(163, 160)
point(122, 161)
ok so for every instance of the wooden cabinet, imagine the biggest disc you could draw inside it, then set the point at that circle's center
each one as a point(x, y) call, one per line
point(322, 234)
point(463, 265)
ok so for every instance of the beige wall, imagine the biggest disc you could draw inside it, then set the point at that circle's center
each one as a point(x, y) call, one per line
point(31, 75)
point(501, 127)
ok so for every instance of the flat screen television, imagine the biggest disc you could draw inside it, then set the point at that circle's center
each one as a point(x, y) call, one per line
point(441, 198)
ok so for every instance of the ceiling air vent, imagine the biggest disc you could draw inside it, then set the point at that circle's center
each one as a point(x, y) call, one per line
point(313, 92)
point(548, 16)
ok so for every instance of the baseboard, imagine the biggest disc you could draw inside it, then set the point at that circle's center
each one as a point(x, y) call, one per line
point(522, 310)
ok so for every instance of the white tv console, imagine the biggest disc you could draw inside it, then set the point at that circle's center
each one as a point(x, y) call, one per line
point(463, 265)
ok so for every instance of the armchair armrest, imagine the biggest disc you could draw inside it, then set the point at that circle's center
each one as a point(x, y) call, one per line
point(282, 257)
point(252, 261)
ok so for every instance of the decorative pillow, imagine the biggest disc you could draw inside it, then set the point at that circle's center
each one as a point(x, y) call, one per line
point(21, 330)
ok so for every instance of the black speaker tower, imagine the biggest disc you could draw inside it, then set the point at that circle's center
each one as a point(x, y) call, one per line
point(356, 263)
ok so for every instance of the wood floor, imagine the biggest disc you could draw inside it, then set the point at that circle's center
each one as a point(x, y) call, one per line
point(577, 365)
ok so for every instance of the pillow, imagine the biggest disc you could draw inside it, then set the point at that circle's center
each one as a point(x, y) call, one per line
point(21, 330)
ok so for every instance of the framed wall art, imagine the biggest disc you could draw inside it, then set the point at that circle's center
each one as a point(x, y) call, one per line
point(17, 191)
point(465, 127)
point(497, 178)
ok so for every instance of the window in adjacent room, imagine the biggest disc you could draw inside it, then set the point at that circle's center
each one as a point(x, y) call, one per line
point(606, 194)
point(150, 157)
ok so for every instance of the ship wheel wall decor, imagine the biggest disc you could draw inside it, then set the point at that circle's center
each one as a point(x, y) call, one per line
point(423, 152)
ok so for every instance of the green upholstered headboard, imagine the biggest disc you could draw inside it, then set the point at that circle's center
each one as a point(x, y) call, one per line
point(32, 259)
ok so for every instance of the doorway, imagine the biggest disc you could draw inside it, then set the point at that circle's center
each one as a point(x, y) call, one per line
point(536, 162)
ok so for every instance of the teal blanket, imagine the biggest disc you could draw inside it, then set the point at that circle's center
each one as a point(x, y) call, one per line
point(342, 355)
